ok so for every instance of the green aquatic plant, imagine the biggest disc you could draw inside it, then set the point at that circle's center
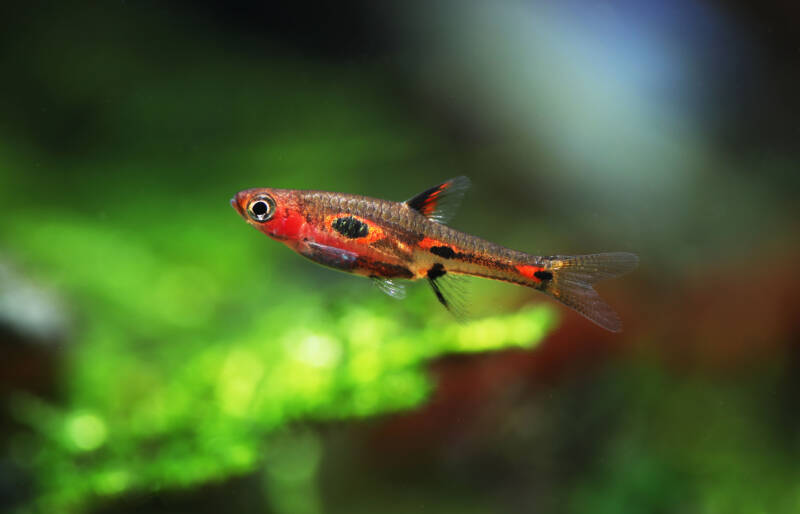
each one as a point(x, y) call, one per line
point(195, 343)
point(183, 365)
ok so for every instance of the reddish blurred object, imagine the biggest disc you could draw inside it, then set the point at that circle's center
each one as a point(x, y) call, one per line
point(718, 320)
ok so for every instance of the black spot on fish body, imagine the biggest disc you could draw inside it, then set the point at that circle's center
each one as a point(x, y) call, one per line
point(350, 227)
point(436, 271)
point(443, 251)
point(543, 275)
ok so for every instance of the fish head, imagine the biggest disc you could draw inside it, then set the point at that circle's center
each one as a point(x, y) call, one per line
point(275, 212)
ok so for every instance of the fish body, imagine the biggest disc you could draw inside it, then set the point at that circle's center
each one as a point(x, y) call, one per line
point(389, 241)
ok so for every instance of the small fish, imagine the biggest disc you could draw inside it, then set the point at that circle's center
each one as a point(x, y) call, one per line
point(391, 241)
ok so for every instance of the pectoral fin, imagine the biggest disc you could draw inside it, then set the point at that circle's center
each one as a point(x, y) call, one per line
point(390, 287)
point(328, 255)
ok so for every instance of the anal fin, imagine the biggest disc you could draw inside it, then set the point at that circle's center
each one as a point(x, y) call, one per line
point(449, 290)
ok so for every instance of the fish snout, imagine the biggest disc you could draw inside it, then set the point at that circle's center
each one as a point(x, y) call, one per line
point(237, 201)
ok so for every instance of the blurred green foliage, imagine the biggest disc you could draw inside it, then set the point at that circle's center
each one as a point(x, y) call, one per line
point(199, 350)
point(189, 350)
point(703, 444)
point(195, 337)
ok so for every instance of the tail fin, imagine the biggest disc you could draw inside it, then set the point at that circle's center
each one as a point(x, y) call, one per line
point(573, 276)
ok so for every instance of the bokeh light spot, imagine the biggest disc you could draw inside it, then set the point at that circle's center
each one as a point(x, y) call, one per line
point(86, 431)
point(112, 482)
point(317, 350)
point(240, 376)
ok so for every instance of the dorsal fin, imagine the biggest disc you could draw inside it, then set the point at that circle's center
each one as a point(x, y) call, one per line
point(440, 203)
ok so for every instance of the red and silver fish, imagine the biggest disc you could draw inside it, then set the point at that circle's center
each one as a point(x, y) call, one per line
point(389, 241)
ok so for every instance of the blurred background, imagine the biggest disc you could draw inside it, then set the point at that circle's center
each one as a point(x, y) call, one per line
point(158, 355)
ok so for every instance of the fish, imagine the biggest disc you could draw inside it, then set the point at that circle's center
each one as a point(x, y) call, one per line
point(392, 242)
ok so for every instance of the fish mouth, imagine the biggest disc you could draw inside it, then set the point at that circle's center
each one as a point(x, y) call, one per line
point(236, 205)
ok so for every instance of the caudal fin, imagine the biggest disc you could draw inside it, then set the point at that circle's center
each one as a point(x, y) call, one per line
point(573, 276)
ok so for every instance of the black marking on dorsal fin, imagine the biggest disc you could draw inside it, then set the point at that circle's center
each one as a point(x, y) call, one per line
point(440, 203)
point(350, 227)
point(448, 290)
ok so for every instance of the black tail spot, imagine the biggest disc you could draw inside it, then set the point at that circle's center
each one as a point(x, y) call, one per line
point(543, 275)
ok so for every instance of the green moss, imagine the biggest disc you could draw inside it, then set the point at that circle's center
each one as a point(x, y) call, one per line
point(182, 367)
point(194, 338)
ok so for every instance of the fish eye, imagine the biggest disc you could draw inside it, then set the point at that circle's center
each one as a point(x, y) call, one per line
point(261, 208)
